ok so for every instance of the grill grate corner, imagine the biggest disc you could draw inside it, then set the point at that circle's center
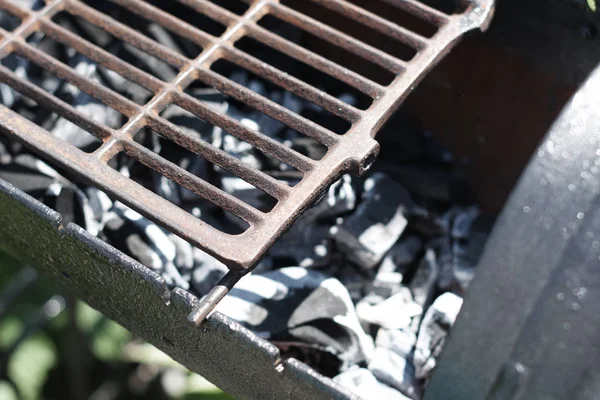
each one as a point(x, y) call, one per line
point(351, 151)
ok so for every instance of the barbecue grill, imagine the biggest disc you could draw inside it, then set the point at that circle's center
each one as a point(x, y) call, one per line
point(351, 150)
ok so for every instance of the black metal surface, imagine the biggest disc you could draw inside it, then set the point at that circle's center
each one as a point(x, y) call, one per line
point(530, 327)
point(221, 350)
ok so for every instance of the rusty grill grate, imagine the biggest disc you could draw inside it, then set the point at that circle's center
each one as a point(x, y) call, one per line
point(351, 151)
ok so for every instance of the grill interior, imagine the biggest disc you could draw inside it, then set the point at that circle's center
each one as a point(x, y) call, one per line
point(390, 59)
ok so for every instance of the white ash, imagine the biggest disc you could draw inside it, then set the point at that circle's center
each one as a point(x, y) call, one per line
point(396, 312)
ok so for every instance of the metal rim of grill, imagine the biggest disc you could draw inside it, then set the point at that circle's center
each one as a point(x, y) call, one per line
point(352, 151)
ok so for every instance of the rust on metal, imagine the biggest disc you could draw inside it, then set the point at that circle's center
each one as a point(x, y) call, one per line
point(350, 152)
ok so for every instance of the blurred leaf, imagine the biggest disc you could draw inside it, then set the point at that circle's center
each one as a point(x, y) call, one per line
point(145, 353)
point(207, 396)
point(87, 317)
point(30, 364)
point(109, 340)
point(592, 4)
point(7, 392)
point(10, 328)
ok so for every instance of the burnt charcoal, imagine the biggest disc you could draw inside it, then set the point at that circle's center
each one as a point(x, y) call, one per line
point(396, 312)
point(28, 179)
point(318, 357)
point(87, 105)
point(444, 257)
point(302, 303)
point(184, 253)
point(396, 265)
point(164, 37)
point(99, 203)
point(363, 383)
point(207, 272)
point(125, 87)
point(124, 235)
point(356, 280)
point(307, 242)
point(396, 371)
point(423, 283)
point(376, 224)
point(144, 61)
point(427, 223)
point(435, 327)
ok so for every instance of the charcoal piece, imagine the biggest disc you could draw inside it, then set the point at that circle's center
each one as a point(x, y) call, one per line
point(396, 371)
point(400, 341)
point(307, 243)
point(396, 312)
point(435, 327)
point(207, 272)
point(88, 106)
point(319, 359)
point(423, 284)
point(29, 180)
point(163, 36)
point(355, 280)
point(123, 235)
point(302, 303)
point(5, 156)
point(339, 199)
point(184, 254)
point(144, 61)
point(427, 224)
point(395, 265)
point(363, 383)
point(444, 257)
point(99, 203)
point(376, 224)
point(135, 92)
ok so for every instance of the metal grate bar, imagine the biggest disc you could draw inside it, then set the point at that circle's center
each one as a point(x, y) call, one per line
point(294, 85)
point(168, 21)
point(58, 106)
point(339, 39)
point(375, 22)
point(193, 183)
point(211, 10)
point(101, 56)
point(126, 34)
point(321, 63)
point(421, 10)
point(62, 71)
point(220, 158)
point(269, 146)
point(269, 107)
point(352, 151)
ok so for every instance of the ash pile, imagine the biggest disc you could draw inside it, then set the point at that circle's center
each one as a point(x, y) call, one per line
point(365, 285)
